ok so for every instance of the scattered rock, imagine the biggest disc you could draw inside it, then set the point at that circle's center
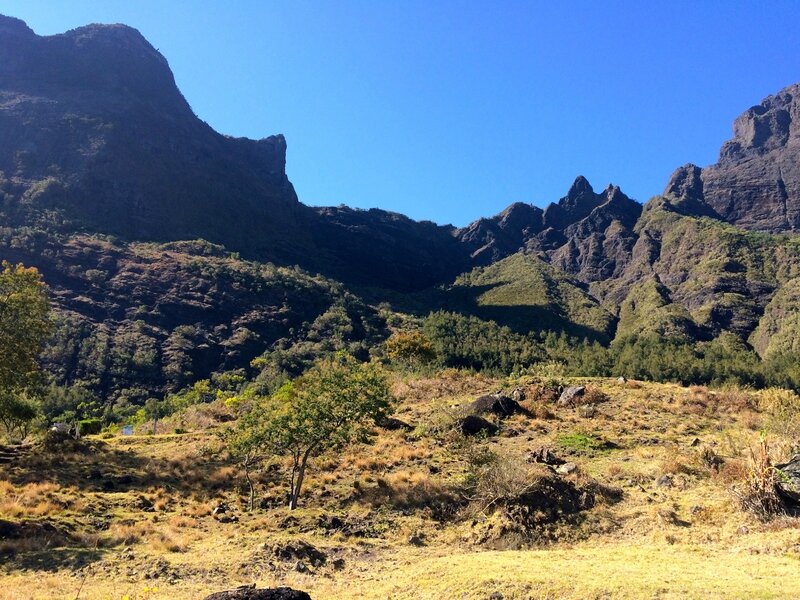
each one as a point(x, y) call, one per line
point(743, 530)
point(788, 486)
point(394, 424)
point(300, 550)
point(664, 481)
point(300, 567)
point(566, 468)
point(496, 596)
point(220, 509)
point(416, 540)
point(544, 455)
point(249, 592)
point(475, 425)
point(497, 404)
point(228, 519)
point(338, 564)
point(621, 380)
point(694, 443)
point(330, 522)
point(144, 504)
point(570, 395)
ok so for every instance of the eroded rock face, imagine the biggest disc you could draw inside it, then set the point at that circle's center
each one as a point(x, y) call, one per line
point(584, 233)
point(756, 183)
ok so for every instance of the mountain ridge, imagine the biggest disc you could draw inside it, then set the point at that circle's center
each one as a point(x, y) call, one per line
point(103, 163)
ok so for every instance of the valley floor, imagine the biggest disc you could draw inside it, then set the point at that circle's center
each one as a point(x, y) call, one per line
point(134, 517)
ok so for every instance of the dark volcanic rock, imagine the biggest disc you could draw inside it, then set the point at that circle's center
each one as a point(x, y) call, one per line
point(474, 425)
point(250, 593)
point(570, 395)
point(497, 404)
point(789, 484)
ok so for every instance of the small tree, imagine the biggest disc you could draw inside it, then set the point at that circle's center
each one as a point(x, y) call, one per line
point(411, 347)
point(154, 410)
point(24, 324)
point(336, 402)
point(17, 412)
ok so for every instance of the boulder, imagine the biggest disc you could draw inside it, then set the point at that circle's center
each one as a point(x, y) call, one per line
point(474, 425)
point(570, 395)
point(251, 593)
point(544, 456)
point(497, 404)
point(566, 468)
point(789, 485)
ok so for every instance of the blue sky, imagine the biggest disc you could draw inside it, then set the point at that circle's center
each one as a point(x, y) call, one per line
point(450, 110)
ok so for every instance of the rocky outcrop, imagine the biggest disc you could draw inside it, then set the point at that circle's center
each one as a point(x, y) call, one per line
point(756, 182)
point(584, 233)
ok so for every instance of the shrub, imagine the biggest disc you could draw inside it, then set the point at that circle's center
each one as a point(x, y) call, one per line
point(757, 492)
point(781, 412)
point(90, 426)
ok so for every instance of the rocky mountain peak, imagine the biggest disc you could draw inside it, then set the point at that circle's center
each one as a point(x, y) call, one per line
point(756, 183)
point(685, 182)
point(9, 26)
point(579, 188)
point(768, 126)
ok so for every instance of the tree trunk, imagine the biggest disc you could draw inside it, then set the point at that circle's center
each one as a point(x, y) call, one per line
point(298, 485)
point(154, 425)
point(250, 484)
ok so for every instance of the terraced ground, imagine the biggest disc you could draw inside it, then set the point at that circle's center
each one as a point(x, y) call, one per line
point(163, 516)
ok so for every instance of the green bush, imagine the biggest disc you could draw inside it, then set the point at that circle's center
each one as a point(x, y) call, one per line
point(90, 426)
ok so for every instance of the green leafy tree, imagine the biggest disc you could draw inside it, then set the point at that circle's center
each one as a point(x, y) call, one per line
point(24, 325)
point(336, 402)
point(410, 347)
point(155, 409)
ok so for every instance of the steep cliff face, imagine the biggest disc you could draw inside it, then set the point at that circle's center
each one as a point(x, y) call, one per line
point(94, 134)
point(756, 183)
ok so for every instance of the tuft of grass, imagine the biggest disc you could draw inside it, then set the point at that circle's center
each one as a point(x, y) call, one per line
point(581, 442)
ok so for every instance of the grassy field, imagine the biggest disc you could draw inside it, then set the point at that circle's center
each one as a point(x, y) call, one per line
point(134, 517)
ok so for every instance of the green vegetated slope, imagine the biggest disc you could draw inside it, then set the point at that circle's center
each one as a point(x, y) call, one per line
point(699, 277)
point(141, 319)
point(527, 294)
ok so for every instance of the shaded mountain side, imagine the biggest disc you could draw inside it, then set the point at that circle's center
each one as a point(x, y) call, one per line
point(720, 276)
point(155, 317)
point(96, 137)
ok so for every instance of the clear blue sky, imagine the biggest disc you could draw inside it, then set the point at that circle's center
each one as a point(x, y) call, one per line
point(449, 110)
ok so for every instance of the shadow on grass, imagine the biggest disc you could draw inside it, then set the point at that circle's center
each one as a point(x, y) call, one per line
point(99, 467)
point(50, 560)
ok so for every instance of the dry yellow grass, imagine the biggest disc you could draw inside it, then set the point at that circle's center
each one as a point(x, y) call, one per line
point(688, 539)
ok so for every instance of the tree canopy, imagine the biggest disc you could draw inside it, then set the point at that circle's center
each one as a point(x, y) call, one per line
point(336, 402)
point(24, 325)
